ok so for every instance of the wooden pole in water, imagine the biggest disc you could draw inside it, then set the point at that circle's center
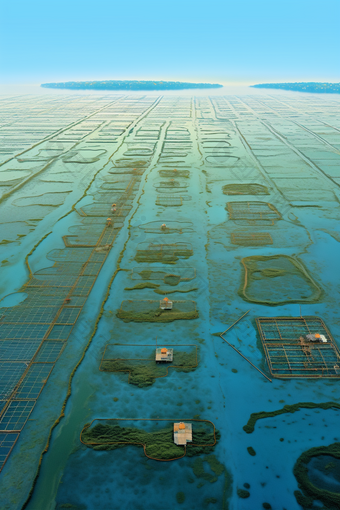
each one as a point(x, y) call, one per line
point(240, 353)
point(238, 320)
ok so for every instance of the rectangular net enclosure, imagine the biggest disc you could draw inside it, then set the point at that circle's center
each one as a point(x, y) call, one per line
point(169, 201)
point(166, 253)
point(251, 239)
point(182, 274)
point(297, 347)
point(34, 333)
point(7, 442)
point(253, 212)
point(16, 415)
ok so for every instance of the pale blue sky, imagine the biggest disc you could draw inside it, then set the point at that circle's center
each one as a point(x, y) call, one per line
point(244, 41)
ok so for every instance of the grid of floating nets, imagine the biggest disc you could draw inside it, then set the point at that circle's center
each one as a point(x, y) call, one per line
point(245, 189)
point(299, 347)
point(169, 201)
point(171, 183)
point(253, 212)
point(174, 173)
point(161, 252)
point(34, 333)
point(251, 239)
point(181, 274)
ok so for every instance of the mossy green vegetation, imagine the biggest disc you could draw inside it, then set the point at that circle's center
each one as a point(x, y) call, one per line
point(251, 451)
point(250, 426)
point(243, 493)
point(215, 466)
point(267, 506)
point(181, 291)
point(174, 173)
point(209, 501)
point(245, 189)
point(157, 445)
point(145, 274)
point(143, 373)
point(167, 278)
point(314, 87)
point(304, 501)
point(172, 279)
point(277, 279)
point(156, 315)
point(163, 255)
point(330, 500)
point(180, 497)
point(143, 285)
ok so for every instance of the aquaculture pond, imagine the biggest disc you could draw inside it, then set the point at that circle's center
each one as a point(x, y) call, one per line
point(135, 231)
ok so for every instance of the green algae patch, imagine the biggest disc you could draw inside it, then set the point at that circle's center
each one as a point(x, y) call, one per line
point(163, 253)
point(172, 279)
point(304, 501)
point(243, 493)
point(143, 373)
point(180, 497)
point(143, 285)
point(250, 426)
point(157, 445)
point(215, 466)
point(209, 501)
point(183, 291)
point(245, 189)
point(174, 173)
point(209, 469)
point(310, 492)
point(145, 274)
point(150, 311)
point(276, 280)
point(251, 451)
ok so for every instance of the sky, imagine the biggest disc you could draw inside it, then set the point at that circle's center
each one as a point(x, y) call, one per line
point(215, 41)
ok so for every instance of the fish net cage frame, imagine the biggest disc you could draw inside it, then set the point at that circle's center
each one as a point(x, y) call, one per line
point(164, 251)
point(164, 201)
point(251, 239)
point(289, 357)
point(172, 184)
point(174, 173)
point(253, 212)
point(245, 189)
point(171, 420)
point(138, 270)
point(39, 294)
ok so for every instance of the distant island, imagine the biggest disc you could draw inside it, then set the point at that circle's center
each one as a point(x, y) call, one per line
point(129, 85)
point(315, 87)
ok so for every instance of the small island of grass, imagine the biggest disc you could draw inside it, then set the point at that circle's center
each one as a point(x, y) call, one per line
point(314, 87)
point(129, 85)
